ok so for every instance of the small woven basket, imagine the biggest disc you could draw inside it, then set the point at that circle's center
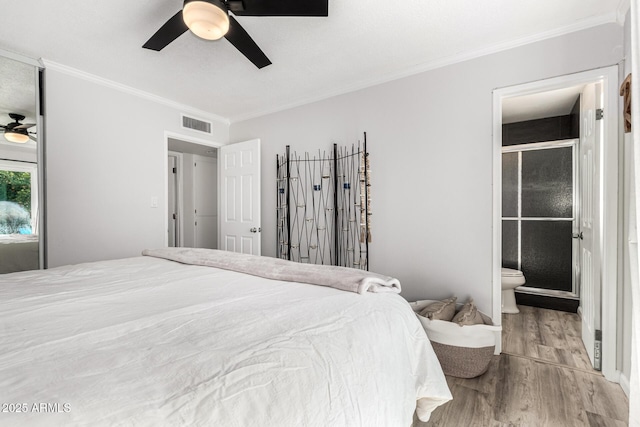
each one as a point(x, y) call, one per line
point(463, 351)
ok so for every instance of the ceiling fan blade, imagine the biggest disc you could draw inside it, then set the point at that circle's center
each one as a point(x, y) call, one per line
point(280, 7)
point(245, 44)
point(33, 138)
point(24, 126)
point(171, 30)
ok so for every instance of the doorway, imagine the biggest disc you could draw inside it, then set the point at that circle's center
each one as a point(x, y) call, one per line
point(599, 327)
point(192, 193)
point(216, 194)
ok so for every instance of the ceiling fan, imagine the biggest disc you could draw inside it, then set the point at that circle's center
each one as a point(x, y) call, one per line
point(210, 19)
point(16, 131)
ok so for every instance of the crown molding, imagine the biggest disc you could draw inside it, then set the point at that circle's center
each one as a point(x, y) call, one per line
point(20, 58)
point(621, 11)
point(131, 90)
point(443, 62)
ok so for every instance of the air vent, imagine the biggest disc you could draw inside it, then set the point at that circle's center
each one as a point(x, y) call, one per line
point(196, 124)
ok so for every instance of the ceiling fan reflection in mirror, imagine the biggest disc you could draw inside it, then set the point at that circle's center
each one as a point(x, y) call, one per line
point(16, 131)
point(210, 19)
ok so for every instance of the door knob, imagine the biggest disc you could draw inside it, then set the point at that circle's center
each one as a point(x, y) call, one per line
point(256, 229)
point(577, 236)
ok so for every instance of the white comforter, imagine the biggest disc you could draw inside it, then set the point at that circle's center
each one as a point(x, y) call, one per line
point(145, 341)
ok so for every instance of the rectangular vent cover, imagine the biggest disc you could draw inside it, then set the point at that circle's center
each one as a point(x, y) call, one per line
point(196, 124)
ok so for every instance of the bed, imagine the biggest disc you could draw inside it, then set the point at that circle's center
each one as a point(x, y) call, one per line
point(18, 252)
point(151, 341)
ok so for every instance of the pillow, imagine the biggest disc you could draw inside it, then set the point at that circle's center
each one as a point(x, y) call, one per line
point(468, 315)
point(440, 310)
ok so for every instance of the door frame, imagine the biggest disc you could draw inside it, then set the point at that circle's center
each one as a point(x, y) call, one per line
point(608, 201)
point(179, 198)
point(193, 140)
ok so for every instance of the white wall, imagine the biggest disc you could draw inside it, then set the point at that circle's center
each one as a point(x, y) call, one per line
point(13, 151)
point(431, 156)
point(106, 155)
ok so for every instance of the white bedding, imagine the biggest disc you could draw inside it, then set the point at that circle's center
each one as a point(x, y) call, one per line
point(146, 341)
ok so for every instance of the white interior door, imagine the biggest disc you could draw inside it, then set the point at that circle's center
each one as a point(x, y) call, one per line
point(590, 195)
point(205, 184)
point(240, 197)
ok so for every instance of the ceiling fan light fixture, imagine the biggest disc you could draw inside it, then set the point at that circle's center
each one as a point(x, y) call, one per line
point(16, 136)
point(207, 19)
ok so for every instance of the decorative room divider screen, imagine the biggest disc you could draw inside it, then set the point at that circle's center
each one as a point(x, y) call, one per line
point(324, 207)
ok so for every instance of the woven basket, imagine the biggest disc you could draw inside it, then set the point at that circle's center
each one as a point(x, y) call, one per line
point(463, 351)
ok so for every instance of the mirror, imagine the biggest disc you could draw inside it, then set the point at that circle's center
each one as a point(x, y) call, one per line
point(21, 226)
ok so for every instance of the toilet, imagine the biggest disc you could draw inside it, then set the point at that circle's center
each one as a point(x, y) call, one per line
point(511, 279)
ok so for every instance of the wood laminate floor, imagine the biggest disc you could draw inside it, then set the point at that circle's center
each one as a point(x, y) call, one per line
point(542, 378)
point(547, 335)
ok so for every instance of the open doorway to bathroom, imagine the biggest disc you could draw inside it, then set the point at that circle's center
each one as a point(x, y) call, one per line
point(555, 210)
point(540, 203)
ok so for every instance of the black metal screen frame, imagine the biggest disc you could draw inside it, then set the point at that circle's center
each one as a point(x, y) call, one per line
point(323, 206)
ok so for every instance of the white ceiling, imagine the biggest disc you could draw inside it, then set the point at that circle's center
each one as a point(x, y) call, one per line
point(361, 43)
point(17, 95)
point(17, 90)
point(188, 147)
point(553, 103)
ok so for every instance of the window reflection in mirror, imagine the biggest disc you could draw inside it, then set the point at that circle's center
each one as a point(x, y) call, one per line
point(20, 210)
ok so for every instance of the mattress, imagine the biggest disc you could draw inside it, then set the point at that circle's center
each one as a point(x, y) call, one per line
point(147, 341)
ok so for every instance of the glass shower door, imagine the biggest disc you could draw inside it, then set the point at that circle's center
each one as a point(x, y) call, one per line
point(540, 215)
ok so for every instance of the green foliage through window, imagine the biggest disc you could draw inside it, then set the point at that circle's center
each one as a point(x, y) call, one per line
point(16, 187)
point(15, 202)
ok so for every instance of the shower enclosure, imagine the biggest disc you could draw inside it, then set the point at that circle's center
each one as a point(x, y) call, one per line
point(540, 216)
